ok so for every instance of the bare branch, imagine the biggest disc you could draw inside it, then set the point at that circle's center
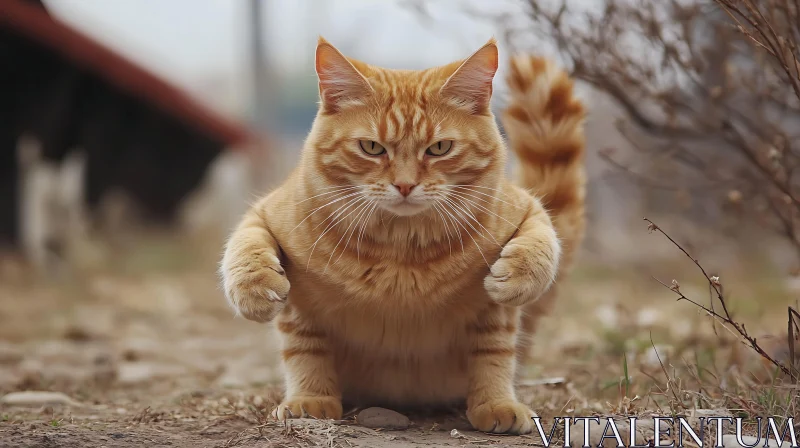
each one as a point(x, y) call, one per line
point(726, 318)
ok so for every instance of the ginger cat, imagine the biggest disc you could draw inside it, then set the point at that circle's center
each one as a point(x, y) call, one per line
point(417, 269)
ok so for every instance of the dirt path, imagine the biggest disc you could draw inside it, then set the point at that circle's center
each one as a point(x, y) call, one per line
point(147, 348)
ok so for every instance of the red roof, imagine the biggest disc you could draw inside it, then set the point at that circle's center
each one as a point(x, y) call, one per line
point(34, 21)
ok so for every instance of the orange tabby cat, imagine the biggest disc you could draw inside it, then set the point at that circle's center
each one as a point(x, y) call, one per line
point(411, 257)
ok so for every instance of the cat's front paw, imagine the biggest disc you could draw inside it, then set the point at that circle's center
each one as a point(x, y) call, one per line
point(520, 275)
point(309, 407)
point(502, 417)
point(257, 290)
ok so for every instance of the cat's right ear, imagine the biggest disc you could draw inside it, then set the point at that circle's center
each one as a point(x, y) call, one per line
point(340, 84)
point(470, 86)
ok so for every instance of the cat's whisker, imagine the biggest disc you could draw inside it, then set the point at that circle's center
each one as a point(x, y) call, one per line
point(481, 190)
point(454, 221)
point(497, 189)
point(383, 224)
point(315, 210)
point(478, 246)
point(468, 213)
point(335, 216)
point(446, 228)
point(460, 196)
point(340, 186)
point(354, 225)
point(328, 229)
point(363, 227)
point(477, 221)
point(337, 212)
point(341, 190)
point(485, 194)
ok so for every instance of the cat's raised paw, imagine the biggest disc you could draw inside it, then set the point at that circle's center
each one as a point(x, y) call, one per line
point(518, 277)
point(309, 407)
point(502, 417)
point(257, 293)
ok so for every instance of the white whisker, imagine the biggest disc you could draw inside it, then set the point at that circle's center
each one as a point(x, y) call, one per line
point(497, 189)
point(461, 197)
point(328, 229)
point(446, 228)
point(341, 190)
point(361, 232)
point(354, 225)
point(336, 213)
point(469, 214)
point(473, 240)
point(485, 194)
point(454, 221)
point(340, 186)
point(315, 210)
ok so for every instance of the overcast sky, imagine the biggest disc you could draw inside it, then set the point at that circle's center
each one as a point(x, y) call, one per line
point(184, 39)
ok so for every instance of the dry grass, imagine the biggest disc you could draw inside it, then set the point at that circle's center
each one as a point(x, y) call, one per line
point(146, 340)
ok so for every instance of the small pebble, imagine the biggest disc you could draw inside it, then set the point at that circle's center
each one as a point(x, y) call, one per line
point(36, 398)
point(382, 418)
point(730, 440)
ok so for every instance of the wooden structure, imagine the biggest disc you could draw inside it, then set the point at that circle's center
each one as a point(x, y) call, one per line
point(137, 132)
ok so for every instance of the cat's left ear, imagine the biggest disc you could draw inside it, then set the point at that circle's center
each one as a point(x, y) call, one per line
point(470, 86)
point(340, 83)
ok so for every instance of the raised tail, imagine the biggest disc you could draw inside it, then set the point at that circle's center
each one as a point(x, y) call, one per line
point(544, 124)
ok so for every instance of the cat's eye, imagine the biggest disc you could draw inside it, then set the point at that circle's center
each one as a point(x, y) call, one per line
point(439, 148)
point(371, 148)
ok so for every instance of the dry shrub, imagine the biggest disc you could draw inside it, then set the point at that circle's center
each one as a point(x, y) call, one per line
point(710, 91)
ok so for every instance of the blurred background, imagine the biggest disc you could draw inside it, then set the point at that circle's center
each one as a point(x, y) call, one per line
point(134, 133)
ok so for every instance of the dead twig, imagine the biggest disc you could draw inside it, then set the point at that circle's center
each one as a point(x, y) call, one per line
point(725, 317)
point(709, 93)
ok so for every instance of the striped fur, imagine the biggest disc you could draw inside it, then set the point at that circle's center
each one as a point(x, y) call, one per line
point(544, 122)
point(418, 305)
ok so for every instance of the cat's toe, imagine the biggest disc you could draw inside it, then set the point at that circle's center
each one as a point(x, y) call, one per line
point(258, 295)
point(502, 417)
point(505, 290)
point(514, 280)
point(261, 307)
point(309, 407)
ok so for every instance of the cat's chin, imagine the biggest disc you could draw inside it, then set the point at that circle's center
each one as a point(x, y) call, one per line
point(405, 209)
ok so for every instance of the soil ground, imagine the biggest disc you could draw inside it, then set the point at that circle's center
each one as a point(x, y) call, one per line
point(146, 347)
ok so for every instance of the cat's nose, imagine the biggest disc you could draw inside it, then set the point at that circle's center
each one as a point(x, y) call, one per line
point(404, 188)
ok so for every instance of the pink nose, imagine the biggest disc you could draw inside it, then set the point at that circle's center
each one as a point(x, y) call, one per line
point(404, 188)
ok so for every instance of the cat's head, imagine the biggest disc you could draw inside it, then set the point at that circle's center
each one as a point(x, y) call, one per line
point(406, 140)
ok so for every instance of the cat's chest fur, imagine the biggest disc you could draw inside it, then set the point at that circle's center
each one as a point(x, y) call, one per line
point(391, 301)
point(390, 311)
point(388, 284)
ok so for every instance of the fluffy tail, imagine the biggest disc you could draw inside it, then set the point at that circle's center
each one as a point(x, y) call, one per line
point(544, 124)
